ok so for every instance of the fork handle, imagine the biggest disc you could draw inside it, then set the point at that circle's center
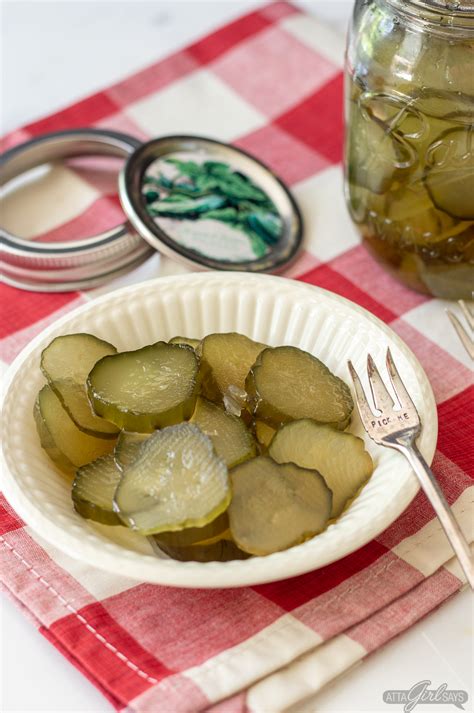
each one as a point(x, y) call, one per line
point(441, 507)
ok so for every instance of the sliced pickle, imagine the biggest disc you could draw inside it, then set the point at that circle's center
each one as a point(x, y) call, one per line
point(264, 433)
point(450, 172)
point(66, 363)
point(287, 383)
point(47, 442)
point(222, 551)
point(340, 457)
point(94, 488)
point(193, 343)
point(226, 359)
point(177, 481)
point(214, 531)
point(65, 443)
point(145, 389)
point(276, 506)
point(229, 435)
point(127, 447)
point(378, 156)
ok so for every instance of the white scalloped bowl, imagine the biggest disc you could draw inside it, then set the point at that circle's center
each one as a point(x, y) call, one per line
point(269, 309)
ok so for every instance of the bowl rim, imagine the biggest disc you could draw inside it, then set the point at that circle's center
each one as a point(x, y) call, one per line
point(146, 567)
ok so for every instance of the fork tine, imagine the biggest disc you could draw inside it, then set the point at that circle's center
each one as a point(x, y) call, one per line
point(466, 340)
point(365, 411)
point(382, 399)
point(467, 314)
point(403, 396)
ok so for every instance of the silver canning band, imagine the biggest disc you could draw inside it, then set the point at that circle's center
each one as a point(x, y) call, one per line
point(82, 263)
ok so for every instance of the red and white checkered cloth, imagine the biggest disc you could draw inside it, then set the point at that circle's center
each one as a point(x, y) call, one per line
point(271, 83)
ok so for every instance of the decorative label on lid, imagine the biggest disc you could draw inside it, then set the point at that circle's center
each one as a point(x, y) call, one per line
point(210, 204)
point(211, 208)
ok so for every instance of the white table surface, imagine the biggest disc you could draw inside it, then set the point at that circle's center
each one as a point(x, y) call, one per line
point(52, 54)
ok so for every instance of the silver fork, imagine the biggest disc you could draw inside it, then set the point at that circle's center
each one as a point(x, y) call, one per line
point(461, 331)
point(399, 429)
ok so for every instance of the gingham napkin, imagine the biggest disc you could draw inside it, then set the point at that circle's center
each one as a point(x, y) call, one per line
point(271, 83)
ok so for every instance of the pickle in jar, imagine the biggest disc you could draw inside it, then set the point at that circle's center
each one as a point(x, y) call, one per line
point(410, 190)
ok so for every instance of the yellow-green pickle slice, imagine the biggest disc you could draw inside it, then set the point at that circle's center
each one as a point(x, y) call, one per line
point(221, 551)
point(226, 359)
point(47, 442)
point(127, 447)
point(149, 388)
point(66, 363)
point(450, 172)
point(340, 457)
point(229, 435)
point(94, 488)
point(176, 481)
point(214, 531)
point(65, 443)
point(276, 506)
point(287, 383)
point(193, 343)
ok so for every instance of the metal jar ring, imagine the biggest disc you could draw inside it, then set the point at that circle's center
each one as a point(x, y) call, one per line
point(84, 263)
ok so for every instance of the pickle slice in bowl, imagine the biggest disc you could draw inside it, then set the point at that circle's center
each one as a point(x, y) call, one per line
point(47, 441)
point(94, 488)
point(222, 551)
point(149, 388)
point(214, 531)
point(127, 447)
point(340, 457)
point(64, 442)
point(193, 343)
point(275, 506)
point(66, 363)
point(177, 481)
point(231, 439)
point(287, 383)
point(226, 359)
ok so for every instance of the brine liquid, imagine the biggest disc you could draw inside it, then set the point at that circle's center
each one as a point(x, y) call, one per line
point(410, 184)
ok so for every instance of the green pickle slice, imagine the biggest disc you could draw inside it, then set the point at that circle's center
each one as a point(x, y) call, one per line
point(340, 457)
point(127, 447)
point(47, 442)
point(450, 172)
point(226, 359)
point(66, 363)
point(193, 343)
point(222, 551)
point(229, 435)
point(177, 481)
point(214, 531)
point(149, 388)
point(94, 488)
point(65, 443)
point(276, 506)
point(287, 383)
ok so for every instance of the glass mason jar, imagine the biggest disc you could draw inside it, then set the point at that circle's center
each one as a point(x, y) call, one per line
point(409, 154)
